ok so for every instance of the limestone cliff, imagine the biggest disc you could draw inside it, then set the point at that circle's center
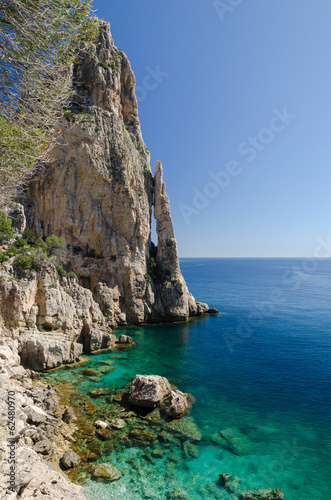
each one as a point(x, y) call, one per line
point(99, 194)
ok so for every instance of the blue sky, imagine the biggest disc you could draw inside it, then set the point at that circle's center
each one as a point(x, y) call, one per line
point(237, 91)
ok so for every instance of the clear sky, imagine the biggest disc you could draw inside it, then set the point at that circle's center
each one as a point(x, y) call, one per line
point(235, 100)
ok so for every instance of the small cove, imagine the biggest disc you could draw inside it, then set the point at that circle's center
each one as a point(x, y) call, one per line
point(262, 410)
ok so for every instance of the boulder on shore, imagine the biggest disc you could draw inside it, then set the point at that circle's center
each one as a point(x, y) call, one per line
point(124, 339)
point(70, 459)
point(149, 390)
point(68, 415)
point(177, 405)
point(213, 311)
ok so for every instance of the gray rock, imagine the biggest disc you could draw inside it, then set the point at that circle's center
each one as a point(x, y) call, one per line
point(36, 415)
point(124, 339)
point(149, 390)
point(95, 339)
point(107, 228)
point(43, 447)
point(177, 406)
point(70, 459)
point(40, 354)
point(202, 308)
point(38, 479)
point(15, 212)
point(68, 415)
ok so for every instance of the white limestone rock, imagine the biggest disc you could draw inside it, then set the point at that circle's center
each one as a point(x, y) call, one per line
point(149, 390)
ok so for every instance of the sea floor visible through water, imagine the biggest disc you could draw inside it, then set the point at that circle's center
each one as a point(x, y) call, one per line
point(259, 373)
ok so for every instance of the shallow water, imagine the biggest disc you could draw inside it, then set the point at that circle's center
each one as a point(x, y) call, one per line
point(259, 373)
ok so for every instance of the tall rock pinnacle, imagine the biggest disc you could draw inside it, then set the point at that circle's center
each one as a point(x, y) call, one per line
point(98, 194)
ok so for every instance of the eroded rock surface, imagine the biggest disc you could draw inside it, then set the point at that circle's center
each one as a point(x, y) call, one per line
point(149, 390)
point(177, 406)
point(38, 423)
point(99, 195)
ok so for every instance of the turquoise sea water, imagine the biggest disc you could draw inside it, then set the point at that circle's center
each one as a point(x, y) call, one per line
point(260, 374)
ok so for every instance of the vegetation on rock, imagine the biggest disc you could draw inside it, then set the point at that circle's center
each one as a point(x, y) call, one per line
point(6, 230)
point(30, 252)
point(38, 40)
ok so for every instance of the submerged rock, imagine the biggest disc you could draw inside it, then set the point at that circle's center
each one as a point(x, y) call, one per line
point(262, 495)
point(177, 494)
point(95, 393)
point(118, 424)
point(70, 459)
point(233, 484)
point(104, 433)
point(190, 450)
point(105, 472)
point(142, 436)
point(89, 407)
point(149, 390)
point(186, 427)
point(233, 440)
point(213, 311)
point(157, 453)
point(89, 372)
point(224, 479)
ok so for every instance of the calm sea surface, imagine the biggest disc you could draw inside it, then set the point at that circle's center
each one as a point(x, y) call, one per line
point(260, 374)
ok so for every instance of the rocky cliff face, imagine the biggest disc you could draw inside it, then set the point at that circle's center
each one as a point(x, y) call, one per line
point(99, 194)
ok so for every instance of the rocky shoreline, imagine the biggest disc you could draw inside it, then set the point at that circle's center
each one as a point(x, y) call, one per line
point(90, 210)
point(38, 431)
point(61, 434)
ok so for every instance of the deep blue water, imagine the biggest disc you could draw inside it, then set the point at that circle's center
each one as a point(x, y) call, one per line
point(260, 373)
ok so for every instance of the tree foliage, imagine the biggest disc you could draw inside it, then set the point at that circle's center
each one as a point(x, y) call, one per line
point(38, 39)
point(6, 231)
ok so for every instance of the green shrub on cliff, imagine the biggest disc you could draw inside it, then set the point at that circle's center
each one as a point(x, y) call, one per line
point(29, 236)
point(34, 254)
point(38, 40)
point(24, 262)
point(6, 231)
point(63, 274)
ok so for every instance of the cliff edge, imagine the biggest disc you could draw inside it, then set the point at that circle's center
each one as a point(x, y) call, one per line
point(99, 193)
